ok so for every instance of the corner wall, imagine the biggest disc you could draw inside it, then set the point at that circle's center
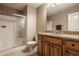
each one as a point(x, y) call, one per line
point(31, 23)
point(41, 18)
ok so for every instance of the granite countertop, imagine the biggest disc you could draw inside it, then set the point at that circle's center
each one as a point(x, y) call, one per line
point(68, 36)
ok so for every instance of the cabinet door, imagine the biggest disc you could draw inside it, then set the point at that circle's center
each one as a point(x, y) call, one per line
point(39, 48)
point(55, 50)
point(45, 49)
point(69, 52)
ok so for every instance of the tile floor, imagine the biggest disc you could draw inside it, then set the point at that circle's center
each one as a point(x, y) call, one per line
point(19, 52)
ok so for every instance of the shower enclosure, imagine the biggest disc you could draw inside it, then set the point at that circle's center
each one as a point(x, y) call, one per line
point(12, 32)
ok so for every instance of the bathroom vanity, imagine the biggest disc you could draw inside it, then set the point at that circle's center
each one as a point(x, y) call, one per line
point(50, 44)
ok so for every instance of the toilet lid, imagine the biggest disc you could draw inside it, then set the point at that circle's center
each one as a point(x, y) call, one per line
point(31, 42)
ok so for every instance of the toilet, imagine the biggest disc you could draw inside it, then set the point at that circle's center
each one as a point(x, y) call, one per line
point(32, 44)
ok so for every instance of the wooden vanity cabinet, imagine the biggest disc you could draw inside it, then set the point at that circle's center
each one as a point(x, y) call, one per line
point(46, 49)
point(51, 49)
point(69, 52)
point(71, 48)
point(39, 49)
point(53, 46)
point(49, 46)
point(55, 50)
point(39, 46)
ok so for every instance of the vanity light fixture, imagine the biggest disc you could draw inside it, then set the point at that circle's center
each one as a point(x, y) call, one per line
point(53, 4)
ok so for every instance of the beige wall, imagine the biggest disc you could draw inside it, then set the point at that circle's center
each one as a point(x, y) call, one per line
point(41, 18)
point(62, 17)
point(31, 23)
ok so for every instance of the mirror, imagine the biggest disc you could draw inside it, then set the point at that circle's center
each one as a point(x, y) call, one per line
point(73, 21)
point(62, 15)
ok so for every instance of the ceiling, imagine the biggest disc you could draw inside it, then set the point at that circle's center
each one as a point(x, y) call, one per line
point(20, 6)
point(50, 10)
point(60, 7)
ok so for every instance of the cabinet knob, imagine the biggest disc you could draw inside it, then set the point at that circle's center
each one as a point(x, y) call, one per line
point(51, 45)
point(73, 44)
point(66, 50)
point(48, 44)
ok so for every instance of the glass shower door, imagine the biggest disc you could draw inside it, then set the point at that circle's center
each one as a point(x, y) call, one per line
point(6, 35)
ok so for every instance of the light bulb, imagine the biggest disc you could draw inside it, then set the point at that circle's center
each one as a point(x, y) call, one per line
point(53, 5)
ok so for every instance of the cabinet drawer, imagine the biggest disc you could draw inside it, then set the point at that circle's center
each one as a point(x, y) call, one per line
point(69, 52)
point(72, 44)
point(52, 40)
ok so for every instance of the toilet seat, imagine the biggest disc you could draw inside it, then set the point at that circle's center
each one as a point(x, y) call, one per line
point(31, 44)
